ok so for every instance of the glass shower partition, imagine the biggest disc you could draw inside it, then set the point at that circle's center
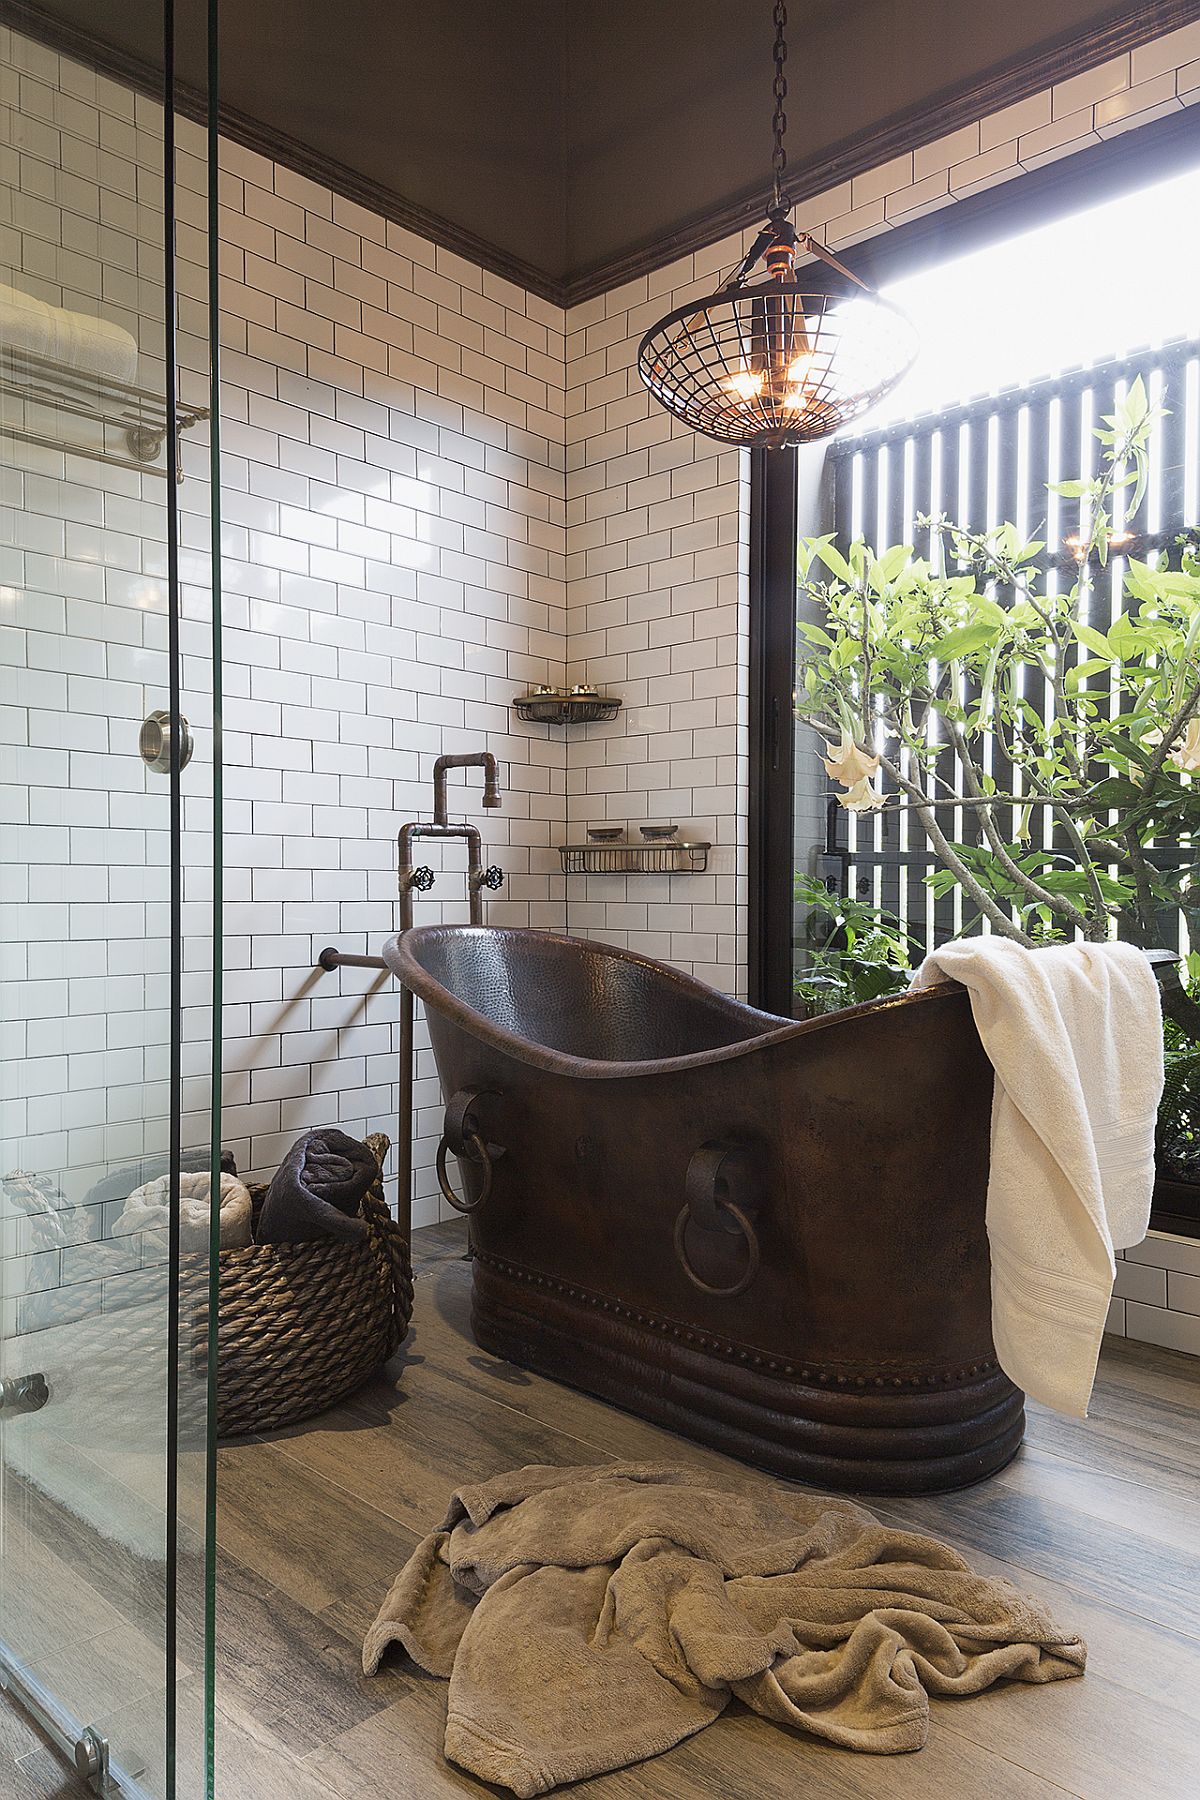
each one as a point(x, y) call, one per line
point(109, 896)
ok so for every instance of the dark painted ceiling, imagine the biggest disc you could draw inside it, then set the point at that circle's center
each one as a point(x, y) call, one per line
point(567, 134)
point(669, 112)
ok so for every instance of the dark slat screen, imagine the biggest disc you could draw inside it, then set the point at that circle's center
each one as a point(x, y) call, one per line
point(981, 462)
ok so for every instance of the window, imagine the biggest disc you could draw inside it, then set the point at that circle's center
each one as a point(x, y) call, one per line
point(1013, 291)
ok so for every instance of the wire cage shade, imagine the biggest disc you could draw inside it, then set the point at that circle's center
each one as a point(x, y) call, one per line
point(773, 365)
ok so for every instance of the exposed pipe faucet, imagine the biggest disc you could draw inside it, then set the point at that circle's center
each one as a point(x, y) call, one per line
point(478, 759)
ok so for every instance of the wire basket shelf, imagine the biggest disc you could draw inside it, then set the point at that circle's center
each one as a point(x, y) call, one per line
point(634, 859)
point(566, 709)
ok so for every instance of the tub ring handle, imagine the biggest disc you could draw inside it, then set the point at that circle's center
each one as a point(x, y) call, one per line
point(460, 1133)
point(752, 1260)
point(712, 1207)
point(476, 1151)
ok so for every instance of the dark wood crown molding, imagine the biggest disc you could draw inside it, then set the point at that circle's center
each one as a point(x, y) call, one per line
point(1119, 32)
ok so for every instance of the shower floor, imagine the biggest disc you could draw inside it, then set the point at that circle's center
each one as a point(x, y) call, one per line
point(1102, 1520)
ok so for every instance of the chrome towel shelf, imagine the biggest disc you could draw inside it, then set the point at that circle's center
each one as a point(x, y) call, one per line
point(634, 859)
point(36, 395)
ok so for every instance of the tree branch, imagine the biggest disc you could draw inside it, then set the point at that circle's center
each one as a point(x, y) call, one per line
point(1098, 925)
point(952, 861)
point(1058, 903)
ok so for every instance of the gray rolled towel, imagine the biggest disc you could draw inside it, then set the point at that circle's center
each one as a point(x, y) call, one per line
point(317, 1190)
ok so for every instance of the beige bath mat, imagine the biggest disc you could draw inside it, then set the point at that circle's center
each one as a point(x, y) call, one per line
point(589, 1617)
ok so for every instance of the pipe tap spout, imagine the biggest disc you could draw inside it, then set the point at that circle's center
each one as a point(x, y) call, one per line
point(478, 759)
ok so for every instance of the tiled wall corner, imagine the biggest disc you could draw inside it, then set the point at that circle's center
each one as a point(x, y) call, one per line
point(393, 530)
point(658, 567)
point(394, 575)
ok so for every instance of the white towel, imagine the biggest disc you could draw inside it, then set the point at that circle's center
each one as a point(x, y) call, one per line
point(147, 1209)
point(1074, 1033)
point(72, 339)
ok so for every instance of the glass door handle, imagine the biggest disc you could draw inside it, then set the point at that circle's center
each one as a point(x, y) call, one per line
point(154, 742)
point(24, 1393)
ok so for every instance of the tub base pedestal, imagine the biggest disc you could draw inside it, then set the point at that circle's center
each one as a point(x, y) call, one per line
point(903, 1432)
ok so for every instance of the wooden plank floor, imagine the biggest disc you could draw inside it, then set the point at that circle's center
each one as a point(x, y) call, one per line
point(1100, 1519)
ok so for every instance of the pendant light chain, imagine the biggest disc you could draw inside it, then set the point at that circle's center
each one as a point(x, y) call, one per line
point(779, 123)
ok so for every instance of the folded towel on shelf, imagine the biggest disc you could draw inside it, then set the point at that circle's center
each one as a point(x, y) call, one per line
point(74, 340)
point(317, 1189)
point(589, 1617)
point(148, 1208)
point(1074, 1033)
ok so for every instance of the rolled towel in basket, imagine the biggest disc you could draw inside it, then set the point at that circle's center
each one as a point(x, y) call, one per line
point(317, 1189)
point(74, 340)
point(147, 1209)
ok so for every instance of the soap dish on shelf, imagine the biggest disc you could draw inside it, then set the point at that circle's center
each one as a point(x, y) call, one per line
point(634, 859)
point(566, 706)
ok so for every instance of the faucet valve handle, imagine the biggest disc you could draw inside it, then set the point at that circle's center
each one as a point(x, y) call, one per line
point(492, 877)
point(421, 879)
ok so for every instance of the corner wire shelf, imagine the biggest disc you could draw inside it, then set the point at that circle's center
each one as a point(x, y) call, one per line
point(36, 392)
point(566, 709)
point(634, 859)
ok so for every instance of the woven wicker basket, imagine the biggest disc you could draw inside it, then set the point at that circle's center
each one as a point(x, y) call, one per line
point(301, 1325)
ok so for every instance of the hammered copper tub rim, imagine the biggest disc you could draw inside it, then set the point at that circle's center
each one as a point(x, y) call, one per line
point(401, 953)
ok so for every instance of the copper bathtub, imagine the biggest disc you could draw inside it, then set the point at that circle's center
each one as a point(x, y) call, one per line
point(767, 1235)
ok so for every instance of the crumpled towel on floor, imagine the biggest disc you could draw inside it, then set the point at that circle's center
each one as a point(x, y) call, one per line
point(590, 1617)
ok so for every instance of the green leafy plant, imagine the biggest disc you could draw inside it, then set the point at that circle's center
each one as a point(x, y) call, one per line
point(1177, 1140)
point(940, 669)
point(861, 953)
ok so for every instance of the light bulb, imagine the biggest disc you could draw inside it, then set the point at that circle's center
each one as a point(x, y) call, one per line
point(745, 384)
point(795, 399)
point(799, 367)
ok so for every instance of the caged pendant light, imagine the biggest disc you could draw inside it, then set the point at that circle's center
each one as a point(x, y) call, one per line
point(770, 363)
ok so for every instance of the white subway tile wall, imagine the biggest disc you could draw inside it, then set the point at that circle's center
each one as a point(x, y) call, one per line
point(394, 543)
point(1159, 1285)
point(658, 567)
point(437, 491)
point(83, 658)
point(394, 574)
